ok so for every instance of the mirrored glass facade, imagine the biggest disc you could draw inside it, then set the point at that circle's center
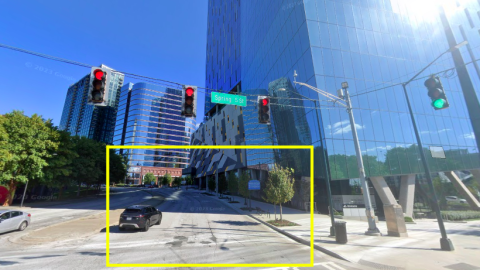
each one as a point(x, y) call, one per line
point(94, 122)
point(150, 115)
point(373, 45)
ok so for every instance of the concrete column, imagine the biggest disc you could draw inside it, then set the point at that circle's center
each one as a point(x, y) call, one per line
point(476, 174)
point(383, 190)
point(463, 190)
point(407, 193)
point(393, 211)
point(216, 181)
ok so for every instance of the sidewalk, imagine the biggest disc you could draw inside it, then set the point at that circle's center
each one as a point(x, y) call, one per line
point(421, 250)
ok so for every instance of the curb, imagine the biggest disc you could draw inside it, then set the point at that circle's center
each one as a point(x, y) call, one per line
point(289, 235)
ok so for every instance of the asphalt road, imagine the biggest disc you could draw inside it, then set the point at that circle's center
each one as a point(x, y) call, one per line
point(44, 215)
point(195, 229)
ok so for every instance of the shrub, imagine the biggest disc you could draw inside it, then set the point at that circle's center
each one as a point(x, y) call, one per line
point(460, 215)
point(408, 219)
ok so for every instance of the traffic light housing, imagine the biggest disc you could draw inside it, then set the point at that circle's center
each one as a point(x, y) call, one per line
point(263, 110)
point(97, 94)
point(436, 93)
point(189, 101)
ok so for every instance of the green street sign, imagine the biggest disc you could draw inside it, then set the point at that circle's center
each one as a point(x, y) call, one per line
point(229, 99)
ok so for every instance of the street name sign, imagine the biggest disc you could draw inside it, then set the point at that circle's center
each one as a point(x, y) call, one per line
point(229, 99)
point(253, 185)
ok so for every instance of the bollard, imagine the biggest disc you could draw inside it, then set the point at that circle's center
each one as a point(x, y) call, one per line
point(341, 232)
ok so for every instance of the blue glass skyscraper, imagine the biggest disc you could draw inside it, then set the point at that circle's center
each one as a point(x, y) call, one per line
point(149, 114)
point(373, 45)
point(82, 119)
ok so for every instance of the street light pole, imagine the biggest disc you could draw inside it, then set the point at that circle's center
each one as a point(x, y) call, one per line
point(445, 243)
point(327, 171)
point(372, 227)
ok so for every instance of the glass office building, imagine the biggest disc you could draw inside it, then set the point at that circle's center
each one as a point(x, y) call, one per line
point(94, 122)
point(150, 115)
point(254, 47)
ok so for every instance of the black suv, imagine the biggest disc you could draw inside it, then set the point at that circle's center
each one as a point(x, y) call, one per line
point(139, 217)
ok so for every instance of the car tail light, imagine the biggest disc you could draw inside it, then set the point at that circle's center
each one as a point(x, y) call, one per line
point(29, 215)
point(141, 216)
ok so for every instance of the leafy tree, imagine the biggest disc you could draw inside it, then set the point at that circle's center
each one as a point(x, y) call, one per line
point(177, 182)
point(167, 179)
point(279, 188)
point(222, 184)
point(243, 185)
point(149, 178)
point(89, 165)
point(189, 180)
point(118, 167)
point(26, 143)
point(211, 184)
point(232, 183)
point(60, 163)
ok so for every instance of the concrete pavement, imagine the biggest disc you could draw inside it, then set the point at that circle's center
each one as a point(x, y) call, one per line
point(195, 229)
point(421, 250)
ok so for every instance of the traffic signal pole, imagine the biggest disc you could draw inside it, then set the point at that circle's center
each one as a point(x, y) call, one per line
point(445, 243)
point(372, 227)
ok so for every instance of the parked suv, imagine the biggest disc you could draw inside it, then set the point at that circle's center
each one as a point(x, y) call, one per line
point(139, 217)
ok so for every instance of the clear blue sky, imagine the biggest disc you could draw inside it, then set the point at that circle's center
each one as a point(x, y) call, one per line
point(156, 38)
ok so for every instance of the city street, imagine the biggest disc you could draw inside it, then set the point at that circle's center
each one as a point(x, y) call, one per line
point(195, 229)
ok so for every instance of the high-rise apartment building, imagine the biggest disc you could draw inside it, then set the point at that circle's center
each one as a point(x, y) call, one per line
point(151, 115)
point(254, 47)
point(94, 122)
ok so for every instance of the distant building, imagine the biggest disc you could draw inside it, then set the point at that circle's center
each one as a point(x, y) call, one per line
point(150, 115)
point(94, 122)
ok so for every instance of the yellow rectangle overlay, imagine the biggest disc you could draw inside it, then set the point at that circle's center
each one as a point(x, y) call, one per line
point(309, 147)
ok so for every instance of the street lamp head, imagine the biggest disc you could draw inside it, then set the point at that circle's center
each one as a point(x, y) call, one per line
point(281, 89)
point(456, 47)
point(344, 85)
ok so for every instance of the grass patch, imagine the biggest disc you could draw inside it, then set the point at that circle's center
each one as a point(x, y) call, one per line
point(208, 194)
point(233, 202)
point(282, 223)
point(460, 215)
point(408, 219)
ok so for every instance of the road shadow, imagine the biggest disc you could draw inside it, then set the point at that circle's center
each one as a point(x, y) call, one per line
point(40, 257)
point(237, 223)
point(114, 229)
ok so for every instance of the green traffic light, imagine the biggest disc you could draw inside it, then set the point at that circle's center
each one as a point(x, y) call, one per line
point(439, 103)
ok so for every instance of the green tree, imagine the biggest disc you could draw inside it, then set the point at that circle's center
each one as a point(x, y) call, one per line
point(279, 188)
point(60, 163)
point(167, 179)
point(243, 185)
point(89, 165)
point(26, 143)
point(118, 167)
point(189, 180)
point(222, 184)
point(232, 183)
point(177, 182)
point(149, 178)
point(211, 184)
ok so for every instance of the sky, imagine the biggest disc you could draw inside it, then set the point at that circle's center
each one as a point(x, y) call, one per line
point(156, 38)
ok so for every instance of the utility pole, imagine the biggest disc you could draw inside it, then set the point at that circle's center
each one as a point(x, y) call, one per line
point(372, 227)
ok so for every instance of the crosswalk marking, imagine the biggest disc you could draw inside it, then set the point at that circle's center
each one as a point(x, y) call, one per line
point(325, 265)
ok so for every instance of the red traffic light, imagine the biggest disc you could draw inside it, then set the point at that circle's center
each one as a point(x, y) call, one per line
point(265, 102)
point(98, 74)
point(189, 92)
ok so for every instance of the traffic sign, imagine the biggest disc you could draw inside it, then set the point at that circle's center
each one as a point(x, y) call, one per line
point(253, 185)
point(229, 99)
